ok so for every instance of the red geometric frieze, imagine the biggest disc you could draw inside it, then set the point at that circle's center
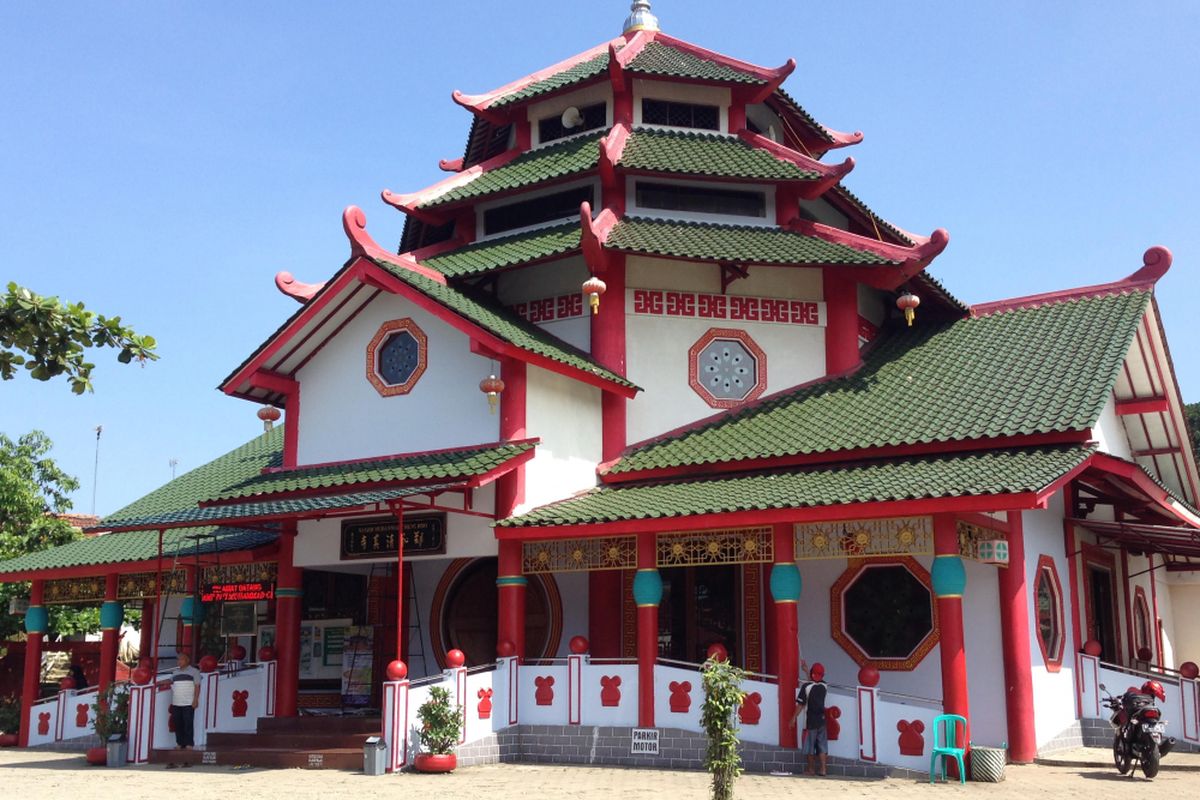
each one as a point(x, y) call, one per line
point(544, 695)
point(681, 696)
point(240, 703)
point(750, 711)
point(912, 743)
point(551, 309)
point(610, 690)
point(736, 308)
point(726, 368)
point(485, 704)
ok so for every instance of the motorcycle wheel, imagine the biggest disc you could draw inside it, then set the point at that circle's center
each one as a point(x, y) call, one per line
point(1150, 760)
point(1121, 755)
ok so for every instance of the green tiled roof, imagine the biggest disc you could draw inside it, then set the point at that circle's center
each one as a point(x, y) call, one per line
point(953, 475)
point(481, 257)
point(242, 463)
point(707, 154)
point(1018, 372)
point(115, 548)
point(579, 73)
point(532, 167)
point(269, 508)
point(668, 62)
point(739, 243)
point(442, 466)
point(503, 323)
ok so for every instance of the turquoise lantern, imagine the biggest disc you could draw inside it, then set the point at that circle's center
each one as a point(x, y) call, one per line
point(112, 614)
point(949, 576)
point(785, 583)
point(647, 587)
point(37, 620)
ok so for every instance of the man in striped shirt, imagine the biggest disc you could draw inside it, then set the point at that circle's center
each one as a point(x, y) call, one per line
point(185, 698)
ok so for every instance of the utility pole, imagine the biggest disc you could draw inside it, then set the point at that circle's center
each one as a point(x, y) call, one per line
point(174, 462)
point(96, 468)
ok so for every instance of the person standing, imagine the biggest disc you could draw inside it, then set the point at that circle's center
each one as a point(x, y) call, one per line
point(185, 698)
point(810, 701)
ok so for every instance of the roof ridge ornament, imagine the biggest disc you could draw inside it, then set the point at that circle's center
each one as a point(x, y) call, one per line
point(640, 18)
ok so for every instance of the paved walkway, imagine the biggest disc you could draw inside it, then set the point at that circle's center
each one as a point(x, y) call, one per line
point(32, 775)
point(1102, 757)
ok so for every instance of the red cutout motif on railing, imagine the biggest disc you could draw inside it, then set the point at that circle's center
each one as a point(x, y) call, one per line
point(44, 723)
point(912, 743)
point(681, 697)
point(833, 728)
point(81, 715)
point(610, 690)
point(240, 705)
point(750, 712)
point(485, 704)
point(545, 690)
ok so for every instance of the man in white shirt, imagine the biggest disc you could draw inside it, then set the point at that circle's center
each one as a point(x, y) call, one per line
point(185, 698)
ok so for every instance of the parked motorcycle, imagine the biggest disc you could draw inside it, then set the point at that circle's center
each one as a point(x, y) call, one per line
point(1140, 729)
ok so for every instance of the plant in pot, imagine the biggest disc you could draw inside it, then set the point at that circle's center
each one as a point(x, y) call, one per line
point(110, 721)
point(441, 726)
point(10, 721)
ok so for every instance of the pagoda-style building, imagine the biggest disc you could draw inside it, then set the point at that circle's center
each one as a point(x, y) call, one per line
point(644, 382)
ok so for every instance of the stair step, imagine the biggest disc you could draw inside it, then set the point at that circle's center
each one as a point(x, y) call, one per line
point(320, 725)
point(344, 758)
point(294, 741)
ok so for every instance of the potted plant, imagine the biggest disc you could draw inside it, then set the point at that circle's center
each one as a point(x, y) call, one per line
point(110, 721)
point(10, 721)
point(441, 726)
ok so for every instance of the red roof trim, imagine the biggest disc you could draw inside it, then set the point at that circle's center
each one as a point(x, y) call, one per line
point(1156, 261)
point(265, 553)
point(478, 103)
point(408, 203)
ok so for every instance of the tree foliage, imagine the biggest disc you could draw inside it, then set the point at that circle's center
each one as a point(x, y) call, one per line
point(1192, 412)
point(441, 722)
point(32, 491)
point(723, 696)
point(50, 338)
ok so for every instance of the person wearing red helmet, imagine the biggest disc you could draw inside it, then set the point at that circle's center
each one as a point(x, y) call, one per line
point(810, 700)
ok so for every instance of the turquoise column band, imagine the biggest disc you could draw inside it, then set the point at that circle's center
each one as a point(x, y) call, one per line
point(949, 576)
point(37, 620)
point(512, 580)
point(647, 587)
point(289, 593)
point(112, 614)
point(785, 583)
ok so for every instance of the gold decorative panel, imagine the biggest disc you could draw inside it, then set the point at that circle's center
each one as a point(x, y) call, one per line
point(907, 536)
point(741, 546)
point(970, 535)
point(75, 590)
point(579, 555)
point(240, 573)
point(142, 584)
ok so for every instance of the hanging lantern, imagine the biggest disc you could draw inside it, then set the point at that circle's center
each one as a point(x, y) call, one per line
point(908, 303)
point(492, 387)
point(269, 416)
point(593, 287)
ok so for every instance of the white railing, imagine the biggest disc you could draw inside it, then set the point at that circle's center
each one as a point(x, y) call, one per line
point(1180, 709)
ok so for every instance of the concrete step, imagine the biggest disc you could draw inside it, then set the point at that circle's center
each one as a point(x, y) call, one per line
point(320, 725)
point(283, 741)
point(344, 758)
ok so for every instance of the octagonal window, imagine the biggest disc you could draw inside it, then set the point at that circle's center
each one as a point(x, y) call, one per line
point(1049, 607)
point(396, 357)
point(726, 368)
point(884, 613)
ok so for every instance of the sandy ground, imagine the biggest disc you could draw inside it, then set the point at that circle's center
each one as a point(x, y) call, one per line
point(29, 776)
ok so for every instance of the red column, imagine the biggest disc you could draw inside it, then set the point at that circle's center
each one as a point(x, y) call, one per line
point(510, 588)
point(401, 628)
point(110, 634)
point(647, 593)
point(608, 348)
point(949, 582)
point(785, 592)
point(145, 642)
point(35, 630)
point(1014, 636)
point(841, 325)
point(288, 593)
point(510, 487)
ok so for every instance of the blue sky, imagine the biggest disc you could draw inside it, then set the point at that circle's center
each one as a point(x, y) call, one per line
point(163, 160)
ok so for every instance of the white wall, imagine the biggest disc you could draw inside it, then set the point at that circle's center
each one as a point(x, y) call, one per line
point(343, 417)
point(983, 639)
point(565, 415)
point(1183, 597)
point(1110, 433)
point(1053, 692)
point(657, 347)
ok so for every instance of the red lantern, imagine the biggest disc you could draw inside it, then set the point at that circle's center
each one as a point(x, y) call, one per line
point(269, 416)
point(593, 287)
point(908, 303)
point(492, 387)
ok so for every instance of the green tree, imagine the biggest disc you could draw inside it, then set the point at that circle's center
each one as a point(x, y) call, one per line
point(723, 695)
point(32, 491)
point(50, 338)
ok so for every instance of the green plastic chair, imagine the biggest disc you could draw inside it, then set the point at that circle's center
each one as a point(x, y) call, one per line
point(945, 741)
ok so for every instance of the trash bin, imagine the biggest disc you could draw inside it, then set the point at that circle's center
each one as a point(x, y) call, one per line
point(375, 756)
point(987, 763)
point(118, 750)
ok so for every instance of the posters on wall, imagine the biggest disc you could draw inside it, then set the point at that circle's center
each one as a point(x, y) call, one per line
point(321, 646)
point(356, 658)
